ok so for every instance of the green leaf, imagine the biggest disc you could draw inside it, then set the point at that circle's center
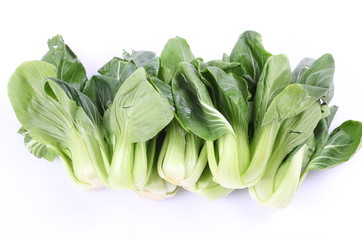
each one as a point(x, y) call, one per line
point(225, 58)
point(194, 108)
point(296, 130)
point(301, 68)
point(294, 99)
point(226, 66)
point(152, 67)
point(38, 149)
point(145, 59)
point(140, 58)
point(275, 77)
point(250, 53)
point(101, 90)
point(320, 74)
point(232, 97)
point(175, 51)
point(69, 68)
point(28, 98)
point(138, 109)
point(164, 89)
point(53, 119)
point(138, 113)
point(81, 100)
point(119, 69)
point(321, 132)
point(332, 112)
point(342, 143)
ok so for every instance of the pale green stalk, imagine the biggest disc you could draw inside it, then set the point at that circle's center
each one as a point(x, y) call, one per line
point(262, 146)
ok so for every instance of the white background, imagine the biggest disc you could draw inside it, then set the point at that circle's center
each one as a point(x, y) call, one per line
point(39, 201)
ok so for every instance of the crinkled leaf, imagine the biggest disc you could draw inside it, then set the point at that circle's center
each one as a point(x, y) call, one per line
point(69, 68)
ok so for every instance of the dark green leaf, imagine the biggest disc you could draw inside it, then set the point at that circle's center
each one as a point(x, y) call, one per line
point(320, 74)
point(342, 143)
point(275, 77)
point(81, 99)
point(194, 107)
point(250, 53)
point(101, 90)
point(232, 100)
point(164, 89)
point(69, 68)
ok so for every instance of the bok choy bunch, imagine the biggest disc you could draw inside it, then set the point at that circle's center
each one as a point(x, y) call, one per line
point(152, 124)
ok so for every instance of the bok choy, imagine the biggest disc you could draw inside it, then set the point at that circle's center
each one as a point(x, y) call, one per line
point(152, 124)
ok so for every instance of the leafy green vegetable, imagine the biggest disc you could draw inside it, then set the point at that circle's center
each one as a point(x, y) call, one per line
point(293, 132)
point(136, 115)
point(229, 155)
point(152, 123)
point(320, 151)
point(51, 118)
point(183, 155)
point(275, 77)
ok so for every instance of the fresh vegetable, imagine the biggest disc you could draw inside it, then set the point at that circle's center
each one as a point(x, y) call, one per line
point(150, 124)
